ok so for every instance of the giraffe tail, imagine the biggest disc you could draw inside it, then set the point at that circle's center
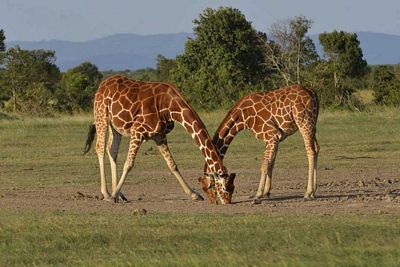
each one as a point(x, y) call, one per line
point(90, 138)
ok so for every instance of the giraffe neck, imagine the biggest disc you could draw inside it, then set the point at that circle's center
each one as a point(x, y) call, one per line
point(231, 125)
point(189, 119)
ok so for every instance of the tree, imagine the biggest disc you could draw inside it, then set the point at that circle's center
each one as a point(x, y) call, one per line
point(222, 62)
point(77, 87)
point(2, 45)
point(386, 86)
point(90, 71)
point(290, 50)
point(344, 62)
point(29, 79)
point(3, 94)
point(164, 67)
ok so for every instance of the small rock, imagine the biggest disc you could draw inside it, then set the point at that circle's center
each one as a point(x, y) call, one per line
point(388, 198)
point(139, 212)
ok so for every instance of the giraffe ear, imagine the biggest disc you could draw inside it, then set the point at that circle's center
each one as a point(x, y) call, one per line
point(231, 179)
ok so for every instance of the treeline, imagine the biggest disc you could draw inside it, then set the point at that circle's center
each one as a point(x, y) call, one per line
point(226, 59)
point(30, 82)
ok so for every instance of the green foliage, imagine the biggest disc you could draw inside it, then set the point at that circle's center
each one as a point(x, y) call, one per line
point(342, 70)
point(77, 87)
point(162, 73)
point(164, 67)
point(224, 59)
point(2, 39)
point(145, 74)
point(344, 52)
point(2, 47)
point(386, 86)
point(28, 80)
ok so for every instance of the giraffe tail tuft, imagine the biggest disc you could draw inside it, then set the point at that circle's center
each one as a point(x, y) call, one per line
point(90, 138)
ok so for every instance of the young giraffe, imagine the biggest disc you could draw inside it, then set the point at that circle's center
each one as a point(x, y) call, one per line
point(144, 111)
point(271, 117)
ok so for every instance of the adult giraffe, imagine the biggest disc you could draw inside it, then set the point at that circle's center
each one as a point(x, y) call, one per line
point(144, 111)
point(271, 117)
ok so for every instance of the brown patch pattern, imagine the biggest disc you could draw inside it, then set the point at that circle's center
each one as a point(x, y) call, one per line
point(143, 111)
point(271, 117)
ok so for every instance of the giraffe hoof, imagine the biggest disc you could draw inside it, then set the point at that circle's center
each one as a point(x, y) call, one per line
point(268, 196)
point(196, 197)
point(256, 201)
point(105, 196)
point(309, 197)
point(111, 199)
point(122, 198)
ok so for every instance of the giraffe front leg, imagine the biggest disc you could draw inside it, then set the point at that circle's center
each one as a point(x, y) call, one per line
point(114, 140)
point(260, 191)
point(266, 172)
point(271, 165)
point(134, 145)
point(162, 145)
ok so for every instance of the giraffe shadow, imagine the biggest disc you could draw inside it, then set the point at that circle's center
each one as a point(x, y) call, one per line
point(270, 199)
point(301, 197)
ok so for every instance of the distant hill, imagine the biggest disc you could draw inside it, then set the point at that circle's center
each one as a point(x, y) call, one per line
point(132, 51)
point(115, 52)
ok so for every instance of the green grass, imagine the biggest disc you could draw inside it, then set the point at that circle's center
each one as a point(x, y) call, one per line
point(38, 153)
point(197, 240)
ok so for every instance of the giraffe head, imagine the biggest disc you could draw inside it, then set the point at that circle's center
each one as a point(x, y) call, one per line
point(218, 187)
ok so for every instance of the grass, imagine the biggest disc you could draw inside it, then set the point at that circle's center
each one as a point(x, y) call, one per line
point(197, 240)
point(47, 152)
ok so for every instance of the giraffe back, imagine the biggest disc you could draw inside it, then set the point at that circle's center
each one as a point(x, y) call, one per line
point(128, 104)
point(283, 110)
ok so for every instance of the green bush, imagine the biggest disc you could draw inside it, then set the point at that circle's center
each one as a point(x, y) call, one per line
point(386, 86)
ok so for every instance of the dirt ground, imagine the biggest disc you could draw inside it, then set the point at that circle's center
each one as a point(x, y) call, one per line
point(355, 191)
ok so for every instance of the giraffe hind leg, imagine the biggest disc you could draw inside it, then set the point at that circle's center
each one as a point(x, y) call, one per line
point(316, 148)
point(134, 145)
point(100, 145)
point(305, 120)
point(312, 155)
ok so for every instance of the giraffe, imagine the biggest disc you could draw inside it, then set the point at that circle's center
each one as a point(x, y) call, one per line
point(271, 117)
point(147, 111)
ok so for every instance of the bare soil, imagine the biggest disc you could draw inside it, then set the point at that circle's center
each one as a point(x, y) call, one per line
point(355, 191)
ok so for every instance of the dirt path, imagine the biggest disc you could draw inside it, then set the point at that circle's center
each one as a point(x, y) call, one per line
point(355, 191)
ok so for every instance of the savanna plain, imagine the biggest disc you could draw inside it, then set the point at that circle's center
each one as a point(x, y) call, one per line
point(51, 212)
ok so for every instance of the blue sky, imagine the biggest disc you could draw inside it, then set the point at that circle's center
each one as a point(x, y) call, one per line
point(80, 20)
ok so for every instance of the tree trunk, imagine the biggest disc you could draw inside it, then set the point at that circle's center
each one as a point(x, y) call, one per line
point(298, 60)
point(14, 96)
